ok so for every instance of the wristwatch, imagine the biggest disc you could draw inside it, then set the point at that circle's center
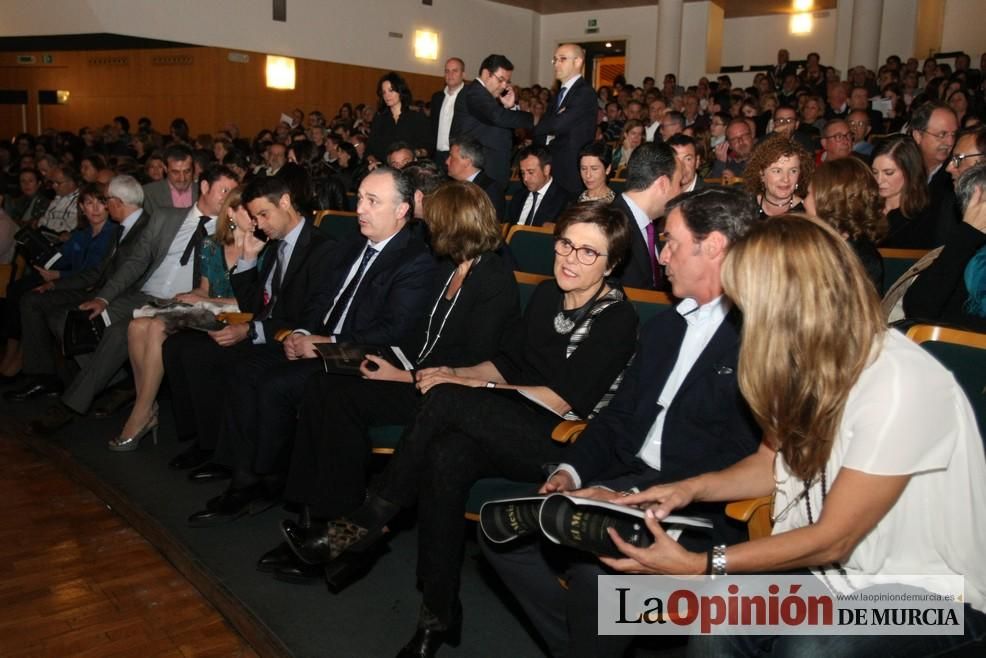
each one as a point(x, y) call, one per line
point(252, 332)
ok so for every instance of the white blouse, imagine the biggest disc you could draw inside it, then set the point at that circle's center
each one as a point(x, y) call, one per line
point(906, 416)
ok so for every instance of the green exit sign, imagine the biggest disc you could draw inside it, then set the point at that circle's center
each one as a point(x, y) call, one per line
point(592, 23)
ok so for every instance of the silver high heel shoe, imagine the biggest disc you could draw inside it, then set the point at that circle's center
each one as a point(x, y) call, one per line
point(131, 443)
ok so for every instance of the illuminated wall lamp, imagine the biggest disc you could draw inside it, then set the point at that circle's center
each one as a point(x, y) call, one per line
point(280, 72)
point(803, 5)
point(62, 96)
point(800, 24)
point(426, 45)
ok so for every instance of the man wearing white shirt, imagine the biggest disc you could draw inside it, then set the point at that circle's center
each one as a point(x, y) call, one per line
point(161, 265)
point(677, 413)
point(443, 108)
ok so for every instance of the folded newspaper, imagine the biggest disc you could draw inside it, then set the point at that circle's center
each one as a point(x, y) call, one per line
point(576, 522)
point(202, 315)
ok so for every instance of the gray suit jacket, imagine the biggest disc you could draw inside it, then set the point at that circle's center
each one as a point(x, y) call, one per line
point(145, 255)
point(97, 277)
point(157, 195)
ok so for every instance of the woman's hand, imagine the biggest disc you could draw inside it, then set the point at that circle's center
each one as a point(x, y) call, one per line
point(429, 378)
point(664, 498)
point(48, 275)
point(664, 556)
point(385, 372)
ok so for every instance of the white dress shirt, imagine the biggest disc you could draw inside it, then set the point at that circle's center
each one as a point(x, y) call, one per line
point(527, 212)
point(379, 246)
point(445, 118)
point(171, 277)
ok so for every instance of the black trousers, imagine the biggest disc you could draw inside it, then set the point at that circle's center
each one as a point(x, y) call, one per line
point(260, 410)
point(459, 436)
point(11, 326)
point(332, 452)
point(196, 367)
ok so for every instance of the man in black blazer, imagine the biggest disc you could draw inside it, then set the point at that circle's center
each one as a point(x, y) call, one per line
point(196, 363)
point(571, 123)
point(678, 413)
point(653, 178)
point(485, 110)
point(466, 162)
point(443, 108)
point(689, 161)
point(375, 292)
point(543, 199)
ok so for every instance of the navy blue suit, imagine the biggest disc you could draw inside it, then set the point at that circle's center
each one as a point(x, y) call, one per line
point(573, 125)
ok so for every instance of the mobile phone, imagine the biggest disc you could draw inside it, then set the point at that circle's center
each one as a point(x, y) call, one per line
point(260, 235)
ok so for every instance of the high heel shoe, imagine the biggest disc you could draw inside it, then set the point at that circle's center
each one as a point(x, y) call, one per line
point(131, 443)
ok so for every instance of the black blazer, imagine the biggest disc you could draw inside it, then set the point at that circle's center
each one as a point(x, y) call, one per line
point(636, 271)
point(437, 99)
point(707, 427)
point(555, 200)
point(482, 117)
point(390, 299)
point(306, 271)
point(574, 126)
point(494, 190)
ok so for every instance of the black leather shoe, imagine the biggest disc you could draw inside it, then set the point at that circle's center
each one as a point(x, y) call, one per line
point(210, 472)
point(277, 557)
point(349, 567)
point(231, 505)
point(36, 389)
point(55, 418)
point(112, 401)
point(191, 457)
point(321, 545)
point(427, 641)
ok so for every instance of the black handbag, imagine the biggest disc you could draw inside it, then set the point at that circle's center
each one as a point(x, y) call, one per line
point(36, 248)
point(81, 335)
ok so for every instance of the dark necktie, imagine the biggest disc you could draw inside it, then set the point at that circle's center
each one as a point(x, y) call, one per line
point(347, 295)
point(529, 218)
point(194, 243)
point(655, 267)
point(561, 97)
point(275, 281)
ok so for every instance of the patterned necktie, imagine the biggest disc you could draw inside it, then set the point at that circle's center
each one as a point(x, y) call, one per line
point(652, 252)
point(529, 217)
point(275, 282)
point(350, 291)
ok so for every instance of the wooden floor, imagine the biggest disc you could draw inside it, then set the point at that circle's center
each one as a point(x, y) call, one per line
point(76, 580)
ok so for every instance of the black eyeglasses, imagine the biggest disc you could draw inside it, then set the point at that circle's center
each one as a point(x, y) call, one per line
point(957, 159)
point(585, 255)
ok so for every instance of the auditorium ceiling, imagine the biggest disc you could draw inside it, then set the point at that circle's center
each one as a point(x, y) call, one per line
point(733, 8)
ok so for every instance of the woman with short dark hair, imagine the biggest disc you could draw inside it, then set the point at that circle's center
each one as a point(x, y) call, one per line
point(395, 121)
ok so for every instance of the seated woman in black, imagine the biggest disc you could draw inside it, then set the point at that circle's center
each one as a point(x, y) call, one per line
point(494, 419)
point(476, 302)
point(844, 195)
point(902, 177)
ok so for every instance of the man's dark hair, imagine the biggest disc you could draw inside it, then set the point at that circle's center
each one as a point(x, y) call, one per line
point(681, 139)
point(729, 210)
point(470, 149)
point(214, 172)
point(203, 157)
point(424, 176)
point(124, 123)
point(649, 162)
point(980, 134)
point(922, 115)
point(494, 63)
point(237, 158)
point(541, 153)
point(299, 182)
point(399, 146)
point(648, 79)
point(177, 153)
point(271, 188)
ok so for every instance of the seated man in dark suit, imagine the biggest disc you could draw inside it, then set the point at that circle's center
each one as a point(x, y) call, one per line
point(685, 151)
point(177, 189)
point(677, 413)
point(465, 163)
point(376, 290)
point(543, 199)
point(653, 177)
point(278, 293)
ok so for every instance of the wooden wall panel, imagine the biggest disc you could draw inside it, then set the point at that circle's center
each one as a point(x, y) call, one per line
point(199, 84)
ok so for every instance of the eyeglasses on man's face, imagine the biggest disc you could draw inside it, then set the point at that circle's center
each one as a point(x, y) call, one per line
point(940, 136)
point(843, 137)
point(585, 255)
point(959, 157)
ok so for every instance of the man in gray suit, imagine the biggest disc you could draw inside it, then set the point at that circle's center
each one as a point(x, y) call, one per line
point(43, 312)
point(176, 190)
point(160, 266)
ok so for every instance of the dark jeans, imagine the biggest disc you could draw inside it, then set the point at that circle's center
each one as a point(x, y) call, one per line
point(459, 436)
